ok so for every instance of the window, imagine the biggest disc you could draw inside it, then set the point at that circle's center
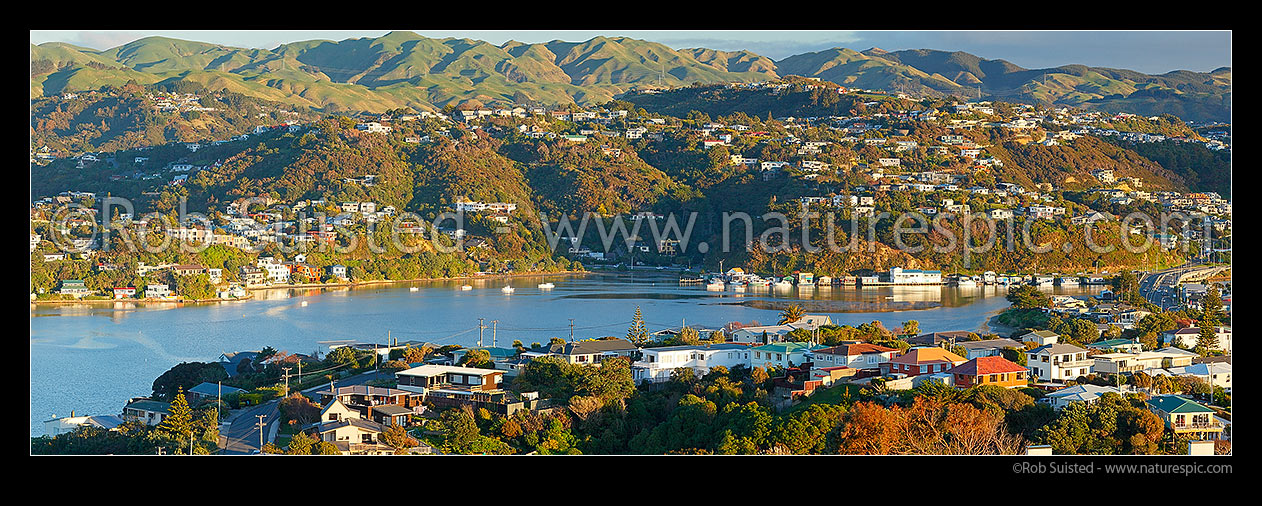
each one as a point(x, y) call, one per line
point(778, 357)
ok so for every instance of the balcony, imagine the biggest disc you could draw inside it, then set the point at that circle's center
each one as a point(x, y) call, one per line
point(1210, 426)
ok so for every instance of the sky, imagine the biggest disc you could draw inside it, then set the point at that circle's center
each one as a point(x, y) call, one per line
point(1153, 52)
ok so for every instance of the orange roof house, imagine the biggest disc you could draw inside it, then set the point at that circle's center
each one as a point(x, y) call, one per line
point(990, 371)
point(919, 361)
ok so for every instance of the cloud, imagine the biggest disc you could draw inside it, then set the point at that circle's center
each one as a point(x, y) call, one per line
point(104, 40)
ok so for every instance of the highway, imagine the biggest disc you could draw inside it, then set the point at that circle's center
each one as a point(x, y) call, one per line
point(1159, 286)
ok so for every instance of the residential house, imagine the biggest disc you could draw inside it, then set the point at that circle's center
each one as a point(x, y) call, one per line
point(346, 429)
point(988, 347)
point(61, 425)
point(149, 411)
point(387, 406)
point(74, 287)
point(451, 386)
point(1040, 337)
point(1187, 337)
point(1185, 416)
point(1087, 393)
point(854, 355)
point(989, 370)
point(657, 364)
point(232, 361)
point(206, 391)
point(779, 355)
point(1059, 362)
point(918, 361)
point(587, 352)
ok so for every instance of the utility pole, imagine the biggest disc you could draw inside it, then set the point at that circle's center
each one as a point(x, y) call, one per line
point(261, 417)
point(286, 369)
point(481, 327)
point(494, 339)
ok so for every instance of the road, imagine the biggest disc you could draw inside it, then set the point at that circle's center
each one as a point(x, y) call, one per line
point(1159, 286)
point(243, 433)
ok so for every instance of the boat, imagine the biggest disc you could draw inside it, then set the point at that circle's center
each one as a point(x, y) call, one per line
point(740, 287)
point(965, 282)
point(784, 284)
point(304, 303)
point(1067, 281)
point(413, 289)
point(1042, 280)
point(989, 277)
point(508, 289)
point(465, 287)
point(716, 284)
point(547, 286)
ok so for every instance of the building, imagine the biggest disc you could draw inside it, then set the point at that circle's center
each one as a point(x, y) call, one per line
point(452, 386)
point(779, 355)
point(1087, 393)
point(657, 364)
point(387, 406)
point(62, 425)
point(74, 287)
point(1040, 337)
point(207, 391)
point(146, 410)
point(989, 370)
point(587, 352)
point(158, 291)
point(1184, 416)
point(855, 356)
point(918, 361)
point(1188, 336)
point(1059, 362)
point(988, 347)
point(346, 429)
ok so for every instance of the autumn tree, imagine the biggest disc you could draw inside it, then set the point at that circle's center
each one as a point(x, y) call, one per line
point(398, 438)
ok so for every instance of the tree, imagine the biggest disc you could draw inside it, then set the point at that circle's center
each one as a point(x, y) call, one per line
point(187, 375)
point(300, 444)
point(792, 314)
point(398, 438)
point(298, 408)
point(325, 448)
point(911, 328)
point(414, 355)
point(1028, 297)
point(477, 358)
point(178, 424)
point(689, 336)
point(638, 334)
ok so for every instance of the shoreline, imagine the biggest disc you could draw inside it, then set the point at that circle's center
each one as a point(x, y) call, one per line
point(251, 291)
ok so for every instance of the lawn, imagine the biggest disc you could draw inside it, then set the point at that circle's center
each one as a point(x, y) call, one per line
point(831, 395)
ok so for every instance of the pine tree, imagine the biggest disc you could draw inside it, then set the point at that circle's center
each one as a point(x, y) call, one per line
point(1211, 305)
point(638, 333)
point(178, 423)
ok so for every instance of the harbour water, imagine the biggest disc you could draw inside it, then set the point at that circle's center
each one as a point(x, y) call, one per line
point(92, 359)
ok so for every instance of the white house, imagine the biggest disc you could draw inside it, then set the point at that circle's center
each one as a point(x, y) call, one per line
point(1059, 362)
point(657, 364)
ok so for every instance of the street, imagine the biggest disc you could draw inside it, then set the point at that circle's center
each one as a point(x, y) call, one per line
point(243, 433)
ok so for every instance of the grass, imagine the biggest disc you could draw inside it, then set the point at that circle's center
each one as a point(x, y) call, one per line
point(286, 433)
point(831, 395)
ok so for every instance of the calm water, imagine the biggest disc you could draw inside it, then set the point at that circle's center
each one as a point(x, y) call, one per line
point(93, 359)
